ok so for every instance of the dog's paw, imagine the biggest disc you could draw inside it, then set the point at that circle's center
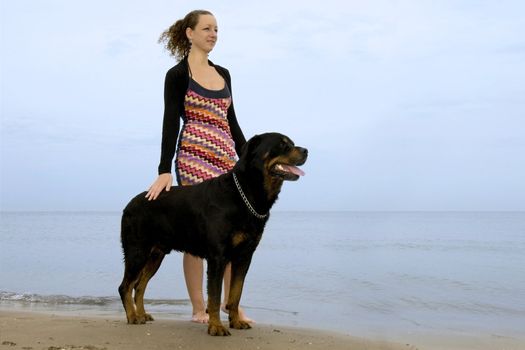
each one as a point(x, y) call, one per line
point(240, 324)
point(148, 317)
point(136, 320)
point(217, 330)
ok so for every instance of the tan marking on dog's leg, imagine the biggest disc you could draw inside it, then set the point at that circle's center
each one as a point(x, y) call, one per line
point(131, 314)
point(215, 276)
point(237, 282)
point(126, 291)
point(147, 273)
point(215, 326)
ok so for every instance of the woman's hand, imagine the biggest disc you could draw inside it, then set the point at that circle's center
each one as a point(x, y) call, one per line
point(163, 182)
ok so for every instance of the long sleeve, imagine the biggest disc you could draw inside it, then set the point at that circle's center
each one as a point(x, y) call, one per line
point(238, 136)
point(170, 124)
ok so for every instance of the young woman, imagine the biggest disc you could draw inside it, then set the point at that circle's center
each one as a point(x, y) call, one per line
point(199, 93)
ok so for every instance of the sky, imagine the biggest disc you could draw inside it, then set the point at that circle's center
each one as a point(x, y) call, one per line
point(403, 104)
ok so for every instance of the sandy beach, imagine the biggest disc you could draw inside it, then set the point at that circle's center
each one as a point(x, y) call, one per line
point(35, 330)
point(28, 330)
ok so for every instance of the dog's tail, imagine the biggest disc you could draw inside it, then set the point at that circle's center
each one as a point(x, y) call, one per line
point(128, 225)
point(126, 228)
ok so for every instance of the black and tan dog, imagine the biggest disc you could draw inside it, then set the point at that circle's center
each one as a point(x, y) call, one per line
point(221, 220)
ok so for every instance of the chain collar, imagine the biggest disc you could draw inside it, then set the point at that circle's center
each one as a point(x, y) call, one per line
point(246, 201)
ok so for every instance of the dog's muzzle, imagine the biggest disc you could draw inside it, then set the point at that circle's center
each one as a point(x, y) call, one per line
point(290, 171)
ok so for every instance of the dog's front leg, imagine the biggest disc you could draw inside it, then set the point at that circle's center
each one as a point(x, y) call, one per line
point(215, 276)
point(239, 270)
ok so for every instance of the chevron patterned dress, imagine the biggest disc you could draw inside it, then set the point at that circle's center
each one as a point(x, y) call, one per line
point(206, 147)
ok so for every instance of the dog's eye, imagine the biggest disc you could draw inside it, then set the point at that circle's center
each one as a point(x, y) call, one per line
point(286, 146)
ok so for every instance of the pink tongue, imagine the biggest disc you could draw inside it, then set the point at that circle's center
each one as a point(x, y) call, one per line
point(293, 169)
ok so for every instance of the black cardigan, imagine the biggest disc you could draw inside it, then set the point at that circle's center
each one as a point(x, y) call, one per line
point(175, 86)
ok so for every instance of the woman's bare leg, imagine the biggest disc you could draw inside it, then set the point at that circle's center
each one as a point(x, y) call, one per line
point(194, 273)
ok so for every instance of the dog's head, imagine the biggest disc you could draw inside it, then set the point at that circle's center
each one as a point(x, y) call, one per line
point(275, 155)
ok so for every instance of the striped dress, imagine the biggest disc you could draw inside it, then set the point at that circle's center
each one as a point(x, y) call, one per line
point(206, 148)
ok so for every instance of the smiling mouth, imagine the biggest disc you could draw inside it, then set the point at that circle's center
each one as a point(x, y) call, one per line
point(287, 171)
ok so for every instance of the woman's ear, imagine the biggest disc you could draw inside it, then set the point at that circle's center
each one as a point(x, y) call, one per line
point(189, 33)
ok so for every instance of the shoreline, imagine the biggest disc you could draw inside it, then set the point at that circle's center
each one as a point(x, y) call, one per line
point(29, 329)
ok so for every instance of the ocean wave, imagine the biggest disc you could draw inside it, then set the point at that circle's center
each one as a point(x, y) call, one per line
point(82, 300)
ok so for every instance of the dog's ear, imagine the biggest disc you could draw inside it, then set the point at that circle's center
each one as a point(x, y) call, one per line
point(249, 147)
point(248, 152)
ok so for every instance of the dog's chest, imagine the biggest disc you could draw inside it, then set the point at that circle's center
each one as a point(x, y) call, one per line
point(244, 239)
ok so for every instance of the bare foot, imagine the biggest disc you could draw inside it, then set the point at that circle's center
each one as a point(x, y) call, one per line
point(242, 315)
point(200, 317)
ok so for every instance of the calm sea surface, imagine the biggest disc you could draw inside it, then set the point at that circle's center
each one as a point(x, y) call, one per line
point(369, 273)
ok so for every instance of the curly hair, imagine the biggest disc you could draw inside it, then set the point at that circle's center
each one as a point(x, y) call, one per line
point(175, 39)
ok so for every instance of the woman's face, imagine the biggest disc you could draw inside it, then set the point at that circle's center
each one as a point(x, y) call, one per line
point(204, 36)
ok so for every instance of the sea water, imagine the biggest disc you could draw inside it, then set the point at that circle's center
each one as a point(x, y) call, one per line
point(367, 273)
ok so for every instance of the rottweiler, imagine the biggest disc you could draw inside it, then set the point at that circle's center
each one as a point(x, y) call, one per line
point(220, 220)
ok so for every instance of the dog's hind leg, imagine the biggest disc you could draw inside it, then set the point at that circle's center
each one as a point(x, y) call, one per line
point(132, 274)
point(149, 270)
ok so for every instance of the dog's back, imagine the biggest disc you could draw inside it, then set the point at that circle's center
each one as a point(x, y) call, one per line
point(174, 221)
point(147, 224)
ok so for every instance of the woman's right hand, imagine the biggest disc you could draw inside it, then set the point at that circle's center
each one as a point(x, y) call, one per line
point(163, 182)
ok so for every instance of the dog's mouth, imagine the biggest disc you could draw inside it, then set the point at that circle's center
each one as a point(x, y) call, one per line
point(287, 171)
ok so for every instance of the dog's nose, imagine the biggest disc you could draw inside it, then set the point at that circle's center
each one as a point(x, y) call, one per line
point(303, 151)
